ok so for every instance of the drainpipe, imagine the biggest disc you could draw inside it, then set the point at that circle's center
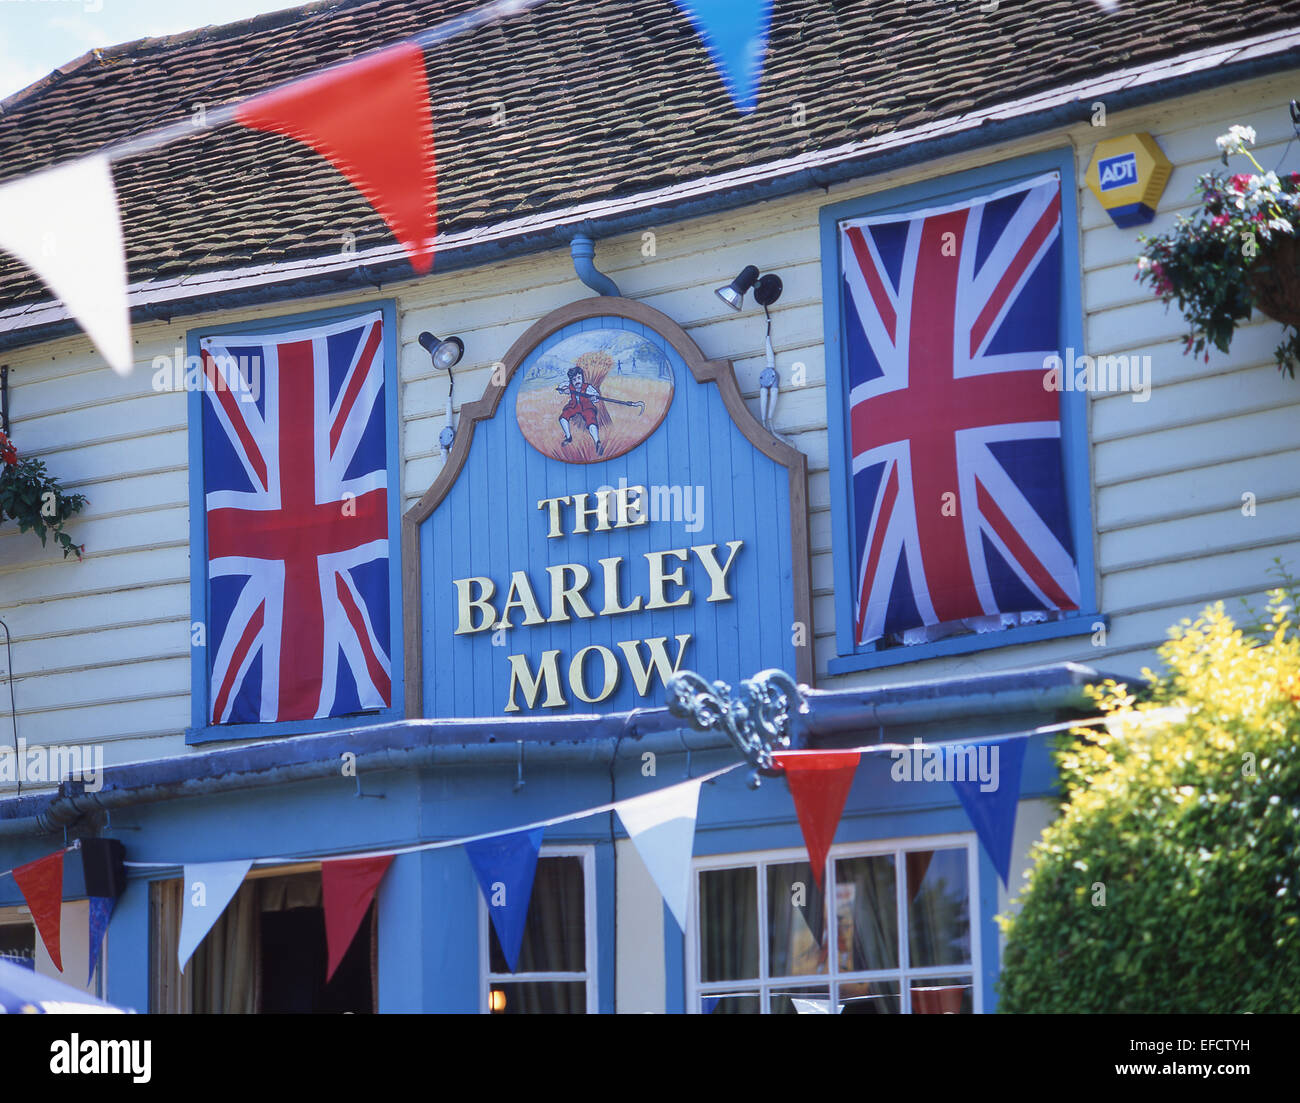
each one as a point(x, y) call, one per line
point(584, 252)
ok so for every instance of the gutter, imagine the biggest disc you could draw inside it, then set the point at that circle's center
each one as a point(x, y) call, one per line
point(1196, 71)
point(571, 740)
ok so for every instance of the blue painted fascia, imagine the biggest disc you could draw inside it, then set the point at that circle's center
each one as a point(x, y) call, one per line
point(200, 730)
point(498, 741)
point(1074, 410)
point(991, 132)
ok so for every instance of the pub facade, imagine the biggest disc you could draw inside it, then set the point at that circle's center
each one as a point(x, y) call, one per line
point(646, 485)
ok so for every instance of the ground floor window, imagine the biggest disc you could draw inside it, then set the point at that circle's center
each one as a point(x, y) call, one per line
point(18, 937)
point(902, 939)
point(557, 963)
point(266, 953)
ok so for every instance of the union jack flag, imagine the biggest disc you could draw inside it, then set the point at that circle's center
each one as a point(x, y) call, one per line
point(958, 487)
point(295, 481)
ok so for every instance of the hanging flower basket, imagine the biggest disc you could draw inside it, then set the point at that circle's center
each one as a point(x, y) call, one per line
point(35, 500)
point(1238, 253)
point(1276, 281)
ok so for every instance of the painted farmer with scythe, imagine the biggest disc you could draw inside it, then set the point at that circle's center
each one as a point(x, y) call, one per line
point(583, 391)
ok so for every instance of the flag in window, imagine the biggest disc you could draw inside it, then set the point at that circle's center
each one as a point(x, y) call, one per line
point(296, 490)
point(958, 488)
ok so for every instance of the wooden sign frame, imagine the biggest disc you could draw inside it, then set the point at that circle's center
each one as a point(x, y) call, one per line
point(718, 371)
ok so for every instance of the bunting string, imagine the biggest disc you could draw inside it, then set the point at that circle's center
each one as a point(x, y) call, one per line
point(873, 748)
point(162, 136)
point(441, 844)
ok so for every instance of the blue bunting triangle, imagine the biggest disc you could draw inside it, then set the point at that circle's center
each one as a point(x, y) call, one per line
point(101, 911)
point(505, 866)
point(735, 34)
point(993, 813)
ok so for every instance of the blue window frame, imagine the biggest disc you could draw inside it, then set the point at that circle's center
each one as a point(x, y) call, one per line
point(201, 730)
point(851, 656)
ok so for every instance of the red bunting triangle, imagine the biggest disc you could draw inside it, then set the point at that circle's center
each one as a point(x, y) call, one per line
point(41, 883)
point(372, 120)
point(819, 784)
point(347, 887)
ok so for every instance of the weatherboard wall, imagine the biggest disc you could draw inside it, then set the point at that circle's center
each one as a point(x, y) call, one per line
point(101, 649)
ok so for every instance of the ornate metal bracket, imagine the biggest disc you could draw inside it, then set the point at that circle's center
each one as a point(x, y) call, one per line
point(759, 717)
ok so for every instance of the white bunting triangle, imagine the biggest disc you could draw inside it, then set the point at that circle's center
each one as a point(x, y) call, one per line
point(207, 889)
point(64, 225)
point(661, 826)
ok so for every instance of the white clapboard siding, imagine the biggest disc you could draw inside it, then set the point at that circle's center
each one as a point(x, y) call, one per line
point(101, 648)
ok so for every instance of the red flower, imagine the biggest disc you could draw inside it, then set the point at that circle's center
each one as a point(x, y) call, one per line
point(1240, 182)
point(8, 453)
point(1219, 220)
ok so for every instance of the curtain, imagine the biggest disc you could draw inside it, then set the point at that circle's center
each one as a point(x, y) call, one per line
point(867, 912)
point(169, 991)
point(938, 913)
point(554, 942)
point(226, 966)
point(729, 924)
point(796, 921)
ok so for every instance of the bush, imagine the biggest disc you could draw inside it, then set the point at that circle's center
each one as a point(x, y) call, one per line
point(1169, 883)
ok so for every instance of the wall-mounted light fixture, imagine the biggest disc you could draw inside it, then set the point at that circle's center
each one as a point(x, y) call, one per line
point(445, 352)
point(767, 289)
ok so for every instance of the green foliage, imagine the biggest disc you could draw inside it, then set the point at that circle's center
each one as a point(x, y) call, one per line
point(1186, 808)
point(35, 500)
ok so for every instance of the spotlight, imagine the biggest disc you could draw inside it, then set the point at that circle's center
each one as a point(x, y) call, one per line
point(444, 351)
point(734, 293)
point(766, 289)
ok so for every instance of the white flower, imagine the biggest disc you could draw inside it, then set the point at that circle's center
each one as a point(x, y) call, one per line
point(1235, 140)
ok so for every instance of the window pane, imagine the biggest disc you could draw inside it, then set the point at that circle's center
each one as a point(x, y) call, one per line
point(18, 944)
point(553, 931)
point(538, 998)
point(866, 910)
point(870, 997)
point(943, 996)
point(796, 922)
point(728, 924)
point(730, 1005)
point(938, 907)
point(801, 1001)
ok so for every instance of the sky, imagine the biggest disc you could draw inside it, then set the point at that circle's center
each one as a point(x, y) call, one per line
point(37, 36)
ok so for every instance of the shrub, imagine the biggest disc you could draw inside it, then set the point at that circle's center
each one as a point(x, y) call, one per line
point(1170, 881)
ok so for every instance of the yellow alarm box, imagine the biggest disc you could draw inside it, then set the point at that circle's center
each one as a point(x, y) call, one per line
point(1128, 175)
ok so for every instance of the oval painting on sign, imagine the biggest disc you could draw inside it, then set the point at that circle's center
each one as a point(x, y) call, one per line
point(594, 396)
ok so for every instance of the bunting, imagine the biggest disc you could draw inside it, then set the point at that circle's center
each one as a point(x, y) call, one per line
point(63, 224)
point(661, 826)
point(992, 811)
point(207, 889)
point(347, 887)
point(372, 120)
point(735, 34)
point(819, 784)
point(41, 883)
point(101, 911)
point(505, 866)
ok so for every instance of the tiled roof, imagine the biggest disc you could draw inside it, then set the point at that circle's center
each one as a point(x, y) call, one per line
point(601, 98)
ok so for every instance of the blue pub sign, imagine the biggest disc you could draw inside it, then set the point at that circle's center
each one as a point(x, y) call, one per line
point(610, 513)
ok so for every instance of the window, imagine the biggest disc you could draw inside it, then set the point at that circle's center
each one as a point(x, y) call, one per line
point(902, 941)
point(18, 937)
point(295, 565)
point(960, 478)
point(557, 962)
point(265, 954)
